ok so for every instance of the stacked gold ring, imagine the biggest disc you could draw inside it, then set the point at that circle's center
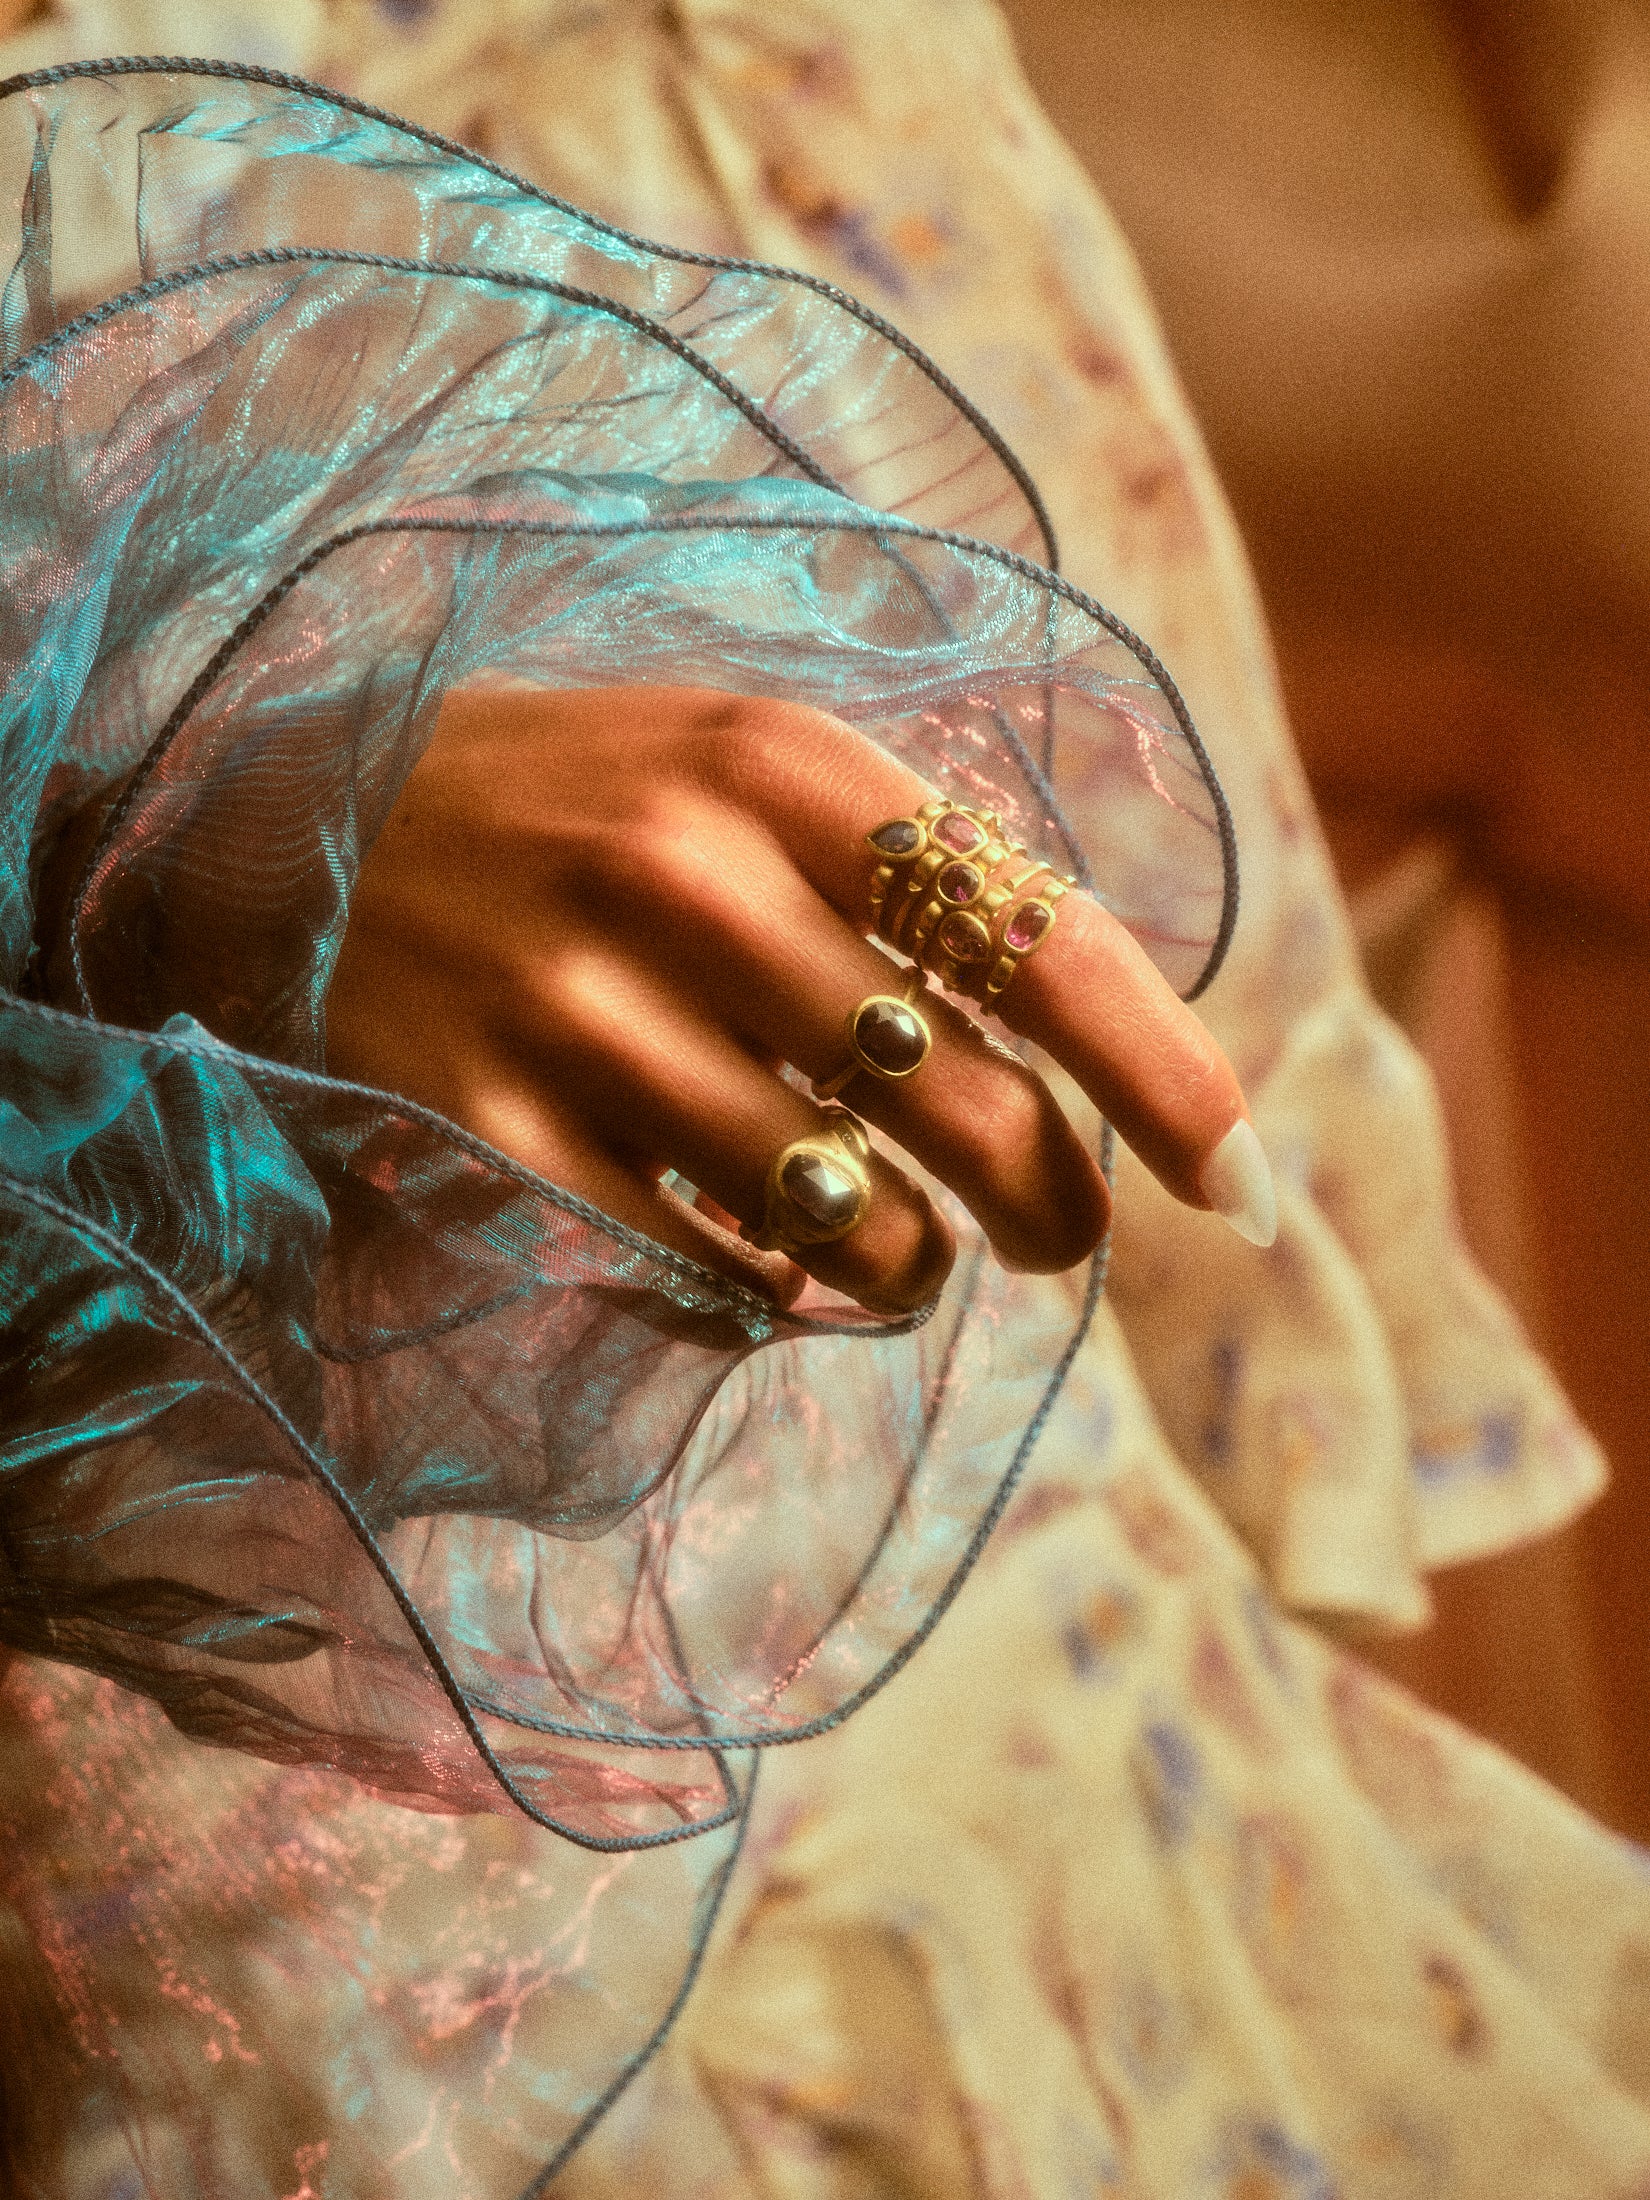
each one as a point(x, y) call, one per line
point(962, 902)
point(1021, 920)
point(817, 1188)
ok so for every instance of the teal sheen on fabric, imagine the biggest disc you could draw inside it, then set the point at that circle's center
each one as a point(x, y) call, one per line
point(346, 1440)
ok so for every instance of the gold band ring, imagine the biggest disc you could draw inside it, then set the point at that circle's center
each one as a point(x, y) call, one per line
point(978, 949)
point(888, 1037)
point(1025, 923)
point(818, 1188)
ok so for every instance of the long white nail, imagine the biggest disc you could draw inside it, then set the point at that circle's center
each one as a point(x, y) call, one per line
point(1237, 1183)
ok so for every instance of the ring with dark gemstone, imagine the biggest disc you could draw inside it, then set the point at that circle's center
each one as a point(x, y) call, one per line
point(899, 838)
point(961, 846)
point(887, 1035)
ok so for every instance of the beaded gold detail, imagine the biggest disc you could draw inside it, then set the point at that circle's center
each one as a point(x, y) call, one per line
point(964, 905)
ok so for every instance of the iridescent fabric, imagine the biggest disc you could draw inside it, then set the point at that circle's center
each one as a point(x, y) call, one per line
point(349, 1442)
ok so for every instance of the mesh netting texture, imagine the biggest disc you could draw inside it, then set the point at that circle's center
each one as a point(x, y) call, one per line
point(331, 1434)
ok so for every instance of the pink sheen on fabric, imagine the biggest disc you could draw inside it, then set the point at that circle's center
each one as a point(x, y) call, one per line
point(351, 1447)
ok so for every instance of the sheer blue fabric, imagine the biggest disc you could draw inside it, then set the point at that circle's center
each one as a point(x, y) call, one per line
point(343, 1438)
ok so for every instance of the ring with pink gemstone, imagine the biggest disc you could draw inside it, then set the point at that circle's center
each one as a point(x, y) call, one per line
point(974, 938)
point(887, 1036)
point(817, 1189)
point(1021, 925)
point(943, 839)
point(958, 897)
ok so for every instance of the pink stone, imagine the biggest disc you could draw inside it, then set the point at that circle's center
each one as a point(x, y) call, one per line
point(1026, 925)
point(958, 833)
point(959, 882)
point(963, 939)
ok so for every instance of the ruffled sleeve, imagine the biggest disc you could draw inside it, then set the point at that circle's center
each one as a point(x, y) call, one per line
point(347, 1439)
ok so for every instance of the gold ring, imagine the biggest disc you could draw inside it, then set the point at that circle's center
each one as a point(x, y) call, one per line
point(1022, 925)
point(965, 905)
point(887, 1036)
point(818, 1188)
point(943, 842)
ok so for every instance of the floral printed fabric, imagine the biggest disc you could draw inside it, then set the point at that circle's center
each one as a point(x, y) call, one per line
point(1129, 1884)
point(1130, 1887)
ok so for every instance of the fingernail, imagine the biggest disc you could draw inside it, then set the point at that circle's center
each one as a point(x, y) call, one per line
point(1237, 1183)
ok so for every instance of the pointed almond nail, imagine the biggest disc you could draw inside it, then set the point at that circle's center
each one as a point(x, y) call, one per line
point(1237, 1183)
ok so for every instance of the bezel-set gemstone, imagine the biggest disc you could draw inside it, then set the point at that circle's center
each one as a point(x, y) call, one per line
point(901, 836)
point(1027, 925)
point(958, 833)
point(890, 1036)
point(959, 883)
point(965, 938)
point(826, 1194)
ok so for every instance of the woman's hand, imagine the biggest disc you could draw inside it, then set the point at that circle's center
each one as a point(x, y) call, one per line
point(597, 921)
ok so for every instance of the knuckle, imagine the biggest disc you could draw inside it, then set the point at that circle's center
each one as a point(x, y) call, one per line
point(900, 1255)
point(1008, 1120)
point(651, 858)
point(1021, 1113)
point(754, 742)
point(1056, 1235)
point(1021, 1165)
point(576, 995)
point(641, 851)
point(728, 730)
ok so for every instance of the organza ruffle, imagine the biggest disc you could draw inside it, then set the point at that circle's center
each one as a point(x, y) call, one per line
point(351, 1444)
point(345, 1438)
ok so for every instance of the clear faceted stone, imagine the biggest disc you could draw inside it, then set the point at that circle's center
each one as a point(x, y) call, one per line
point(898, 837)
point(890, 1037)
point(826, 1194)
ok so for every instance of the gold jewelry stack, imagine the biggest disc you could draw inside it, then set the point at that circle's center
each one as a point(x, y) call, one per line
point(818, 1187)
point(958, 898)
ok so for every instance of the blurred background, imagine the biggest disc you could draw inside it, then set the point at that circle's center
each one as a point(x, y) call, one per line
point(1402, 253)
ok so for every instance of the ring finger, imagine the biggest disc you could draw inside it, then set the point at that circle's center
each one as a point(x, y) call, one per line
point(659, 1083)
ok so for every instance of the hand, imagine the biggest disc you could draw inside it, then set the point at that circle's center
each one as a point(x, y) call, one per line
point(597, 922)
